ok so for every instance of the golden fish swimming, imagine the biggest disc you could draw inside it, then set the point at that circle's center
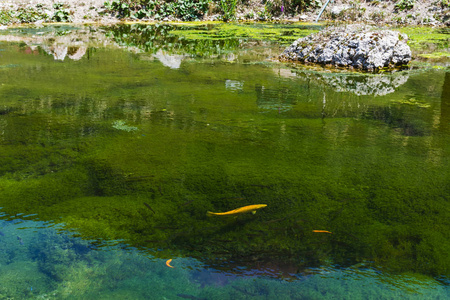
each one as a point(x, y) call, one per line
point(168, 263)
point(240, 210)
point(322, 231)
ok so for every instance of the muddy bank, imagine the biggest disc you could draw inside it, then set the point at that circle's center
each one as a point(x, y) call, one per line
point(433, 13)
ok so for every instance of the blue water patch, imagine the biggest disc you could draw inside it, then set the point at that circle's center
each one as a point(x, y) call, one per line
point(40, 259)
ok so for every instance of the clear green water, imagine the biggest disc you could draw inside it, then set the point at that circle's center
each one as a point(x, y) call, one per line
point(116, 141)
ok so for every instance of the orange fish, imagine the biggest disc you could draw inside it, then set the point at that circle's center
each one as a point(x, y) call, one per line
point(323, 231)
point(240, 210)
point(168, 263)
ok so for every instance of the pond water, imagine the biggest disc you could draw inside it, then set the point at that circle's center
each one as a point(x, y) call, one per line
point(115, 141)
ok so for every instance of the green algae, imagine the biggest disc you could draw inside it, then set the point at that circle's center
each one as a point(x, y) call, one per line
point(120, 125)
point(412, 101)
point(282, 33)
point(436, 55)
point(427, 42)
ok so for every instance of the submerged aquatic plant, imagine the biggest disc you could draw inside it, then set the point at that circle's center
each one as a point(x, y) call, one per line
point(413, 102)
point(120, 125)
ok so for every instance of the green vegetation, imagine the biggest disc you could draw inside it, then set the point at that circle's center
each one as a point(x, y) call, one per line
point(229, 9)
point(424, 41)
point(444, 3)
point(62, 13)
point(377, 16)
point(412, 101)
point(436, 55)
point(186, 10)
point(404, 4)
point(283, 34)
point(37, 13)
point(6, 17)
point(22, 15)
point(287, 7)
point(121, 7)
point(120, 125)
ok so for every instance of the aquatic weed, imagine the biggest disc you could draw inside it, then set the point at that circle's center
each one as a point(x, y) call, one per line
point(120, 125)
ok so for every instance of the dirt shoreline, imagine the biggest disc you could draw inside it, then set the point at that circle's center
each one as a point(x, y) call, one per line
point(430, 13)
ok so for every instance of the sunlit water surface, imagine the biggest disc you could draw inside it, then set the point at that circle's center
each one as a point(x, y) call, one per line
point(116, 141)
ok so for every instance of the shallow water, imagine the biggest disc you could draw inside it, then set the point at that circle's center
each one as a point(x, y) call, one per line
point(116, 141)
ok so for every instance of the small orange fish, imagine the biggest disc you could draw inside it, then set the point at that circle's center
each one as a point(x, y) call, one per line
point(240, 210)
point(168, 263)
point(323, 231)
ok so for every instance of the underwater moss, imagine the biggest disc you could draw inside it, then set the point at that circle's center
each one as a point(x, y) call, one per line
point(120, 125)
point(435, 55)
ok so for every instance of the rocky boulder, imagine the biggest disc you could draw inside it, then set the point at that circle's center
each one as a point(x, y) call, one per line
point(353, 46)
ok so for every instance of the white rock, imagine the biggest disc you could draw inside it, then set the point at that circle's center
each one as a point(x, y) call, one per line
point(303, 17)
point(353, 46)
